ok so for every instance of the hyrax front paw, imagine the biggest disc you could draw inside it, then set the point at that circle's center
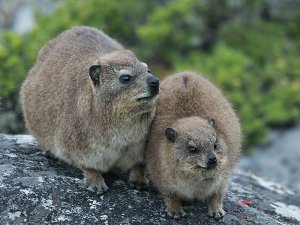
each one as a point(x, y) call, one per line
point(95, 181)
point(215, 205)
point(175, 212)
point(217, 213)
point(98, 187)
point(138, 185)
point(137, 178)
point(174, 208)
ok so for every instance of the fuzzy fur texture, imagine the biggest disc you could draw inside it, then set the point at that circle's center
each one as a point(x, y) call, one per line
point(96, 126)
point(206, 127)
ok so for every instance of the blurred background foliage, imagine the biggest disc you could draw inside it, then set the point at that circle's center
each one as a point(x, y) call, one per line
point(250, 49)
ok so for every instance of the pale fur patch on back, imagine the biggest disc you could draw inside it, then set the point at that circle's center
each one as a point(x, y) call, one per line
point(185, 81)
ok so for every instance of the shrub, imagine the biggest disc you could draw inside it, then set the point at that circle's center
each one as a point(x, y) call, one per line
point(12, 63)
point(237, 44)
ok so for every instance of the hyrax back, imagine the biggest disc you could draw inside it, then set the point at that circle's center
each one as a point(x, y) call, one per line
point(90, 102)
point(193, 143)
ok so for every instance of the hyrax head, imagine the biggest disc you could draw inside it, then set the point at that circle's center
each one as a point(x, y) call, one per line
point(196, 146)
point(120, 78)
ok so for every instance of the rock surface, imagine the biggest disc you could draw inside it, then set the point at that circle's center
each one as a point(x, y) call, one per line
point(37, 189)
point(278, 159)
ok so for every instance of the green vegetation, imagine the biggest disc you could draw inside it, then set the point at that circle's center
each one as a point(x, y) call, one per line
point(251, 54)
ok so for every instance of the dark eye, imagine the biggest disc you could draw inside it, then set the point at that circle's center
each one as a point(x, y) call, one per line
point(215, 146)
point(125, 79)
point(149, 71)
point(192, 149)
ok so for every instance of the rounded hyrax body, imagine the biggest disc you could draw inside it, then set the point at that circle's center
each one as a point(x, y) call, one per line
point(90, 102)
point(193, 143)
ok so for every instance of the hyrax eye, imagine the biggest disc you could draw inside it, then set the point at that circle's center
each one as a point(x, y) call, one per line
point(125, 79)
point(149, 71)
point(192, 149)
point(215, 146)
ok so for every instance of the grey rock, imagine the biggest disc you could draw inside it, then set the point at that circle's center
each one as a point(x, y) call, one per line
point(35, 188)
point(278, 159)
point(11, 122)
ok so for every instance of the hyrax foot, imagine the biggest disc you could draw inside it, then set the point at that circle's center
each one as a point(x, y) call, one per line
point(175, 213)
point(216, 213)
point(215, 205)
point(174, 209)
point(94, 181)
point(137, 178)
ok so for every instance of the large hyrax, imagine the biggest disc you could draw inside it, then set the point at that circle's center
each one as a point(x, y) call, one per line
point(90, 102)
point(193, 143)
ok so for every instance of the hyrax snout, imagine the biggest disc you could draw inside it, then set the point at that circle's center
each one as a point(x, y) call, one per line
point(90, 102)
point(193, 143)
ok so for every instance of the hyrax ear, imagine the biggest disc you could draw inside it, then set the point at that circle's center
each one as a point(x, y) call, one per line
point(171, 134)
point(212, 121)
point(94, 72)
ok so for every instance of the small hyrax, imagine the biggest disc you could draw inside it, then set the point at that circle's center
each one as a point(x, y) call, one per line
point(90, 102)
point(193, 143)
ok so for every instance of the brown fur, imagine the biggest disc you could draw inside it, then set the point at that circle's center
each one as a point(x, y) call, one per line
point(201, 117)
point(96, 127)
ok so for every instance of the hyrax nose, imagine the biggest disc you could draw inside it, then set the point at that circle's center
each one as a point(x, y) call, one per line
point(211, 161)
point(153, 83)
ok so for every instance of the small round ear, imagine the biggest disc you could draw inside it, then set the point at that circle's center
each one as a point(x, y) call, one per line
point(94, 72)
point(212, 121)
point(171, 134)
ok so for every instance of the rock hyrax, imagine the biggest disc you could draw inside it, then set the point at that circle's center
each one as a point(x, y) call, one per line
point(193, 143)
point(90, 102)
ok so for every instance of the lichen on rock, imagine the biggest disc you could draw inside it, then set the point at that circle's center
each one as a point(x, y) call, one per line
point(36, 188)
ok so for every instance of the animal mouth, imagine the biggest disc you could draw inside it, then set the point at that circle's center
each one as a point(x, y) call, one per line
point(146, 98)
point(204, 168)
point(201, 167)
